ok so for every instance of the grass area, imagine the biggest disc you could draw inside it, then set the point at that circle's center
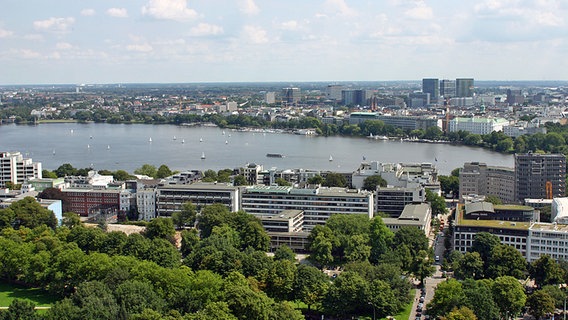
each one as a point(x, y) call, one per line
point(405, 314)
point(9, 292)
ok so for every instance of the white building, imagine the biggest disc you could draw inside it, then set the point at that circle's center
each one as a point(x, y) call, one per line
point(318, 204)
point(170, 198)
point(548, 238)
point(16, 169)
point(413, 215)
point(146, 203)
point(401, 175)
point(478, 125)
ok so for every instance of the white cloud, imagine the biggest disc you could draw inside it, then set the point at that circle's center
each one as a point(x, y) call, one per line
point(249, 7)
point(340, 7)
point(289, 25)
point(29, 54)
point(117, 12)
point(205, 29)
point(144, 47)
point(63, 46)
point(54, 24)
point(5, 33)
point(254, 34)
point(88, 12)
point(33, 37)
point(421, 11)
point(169, 10)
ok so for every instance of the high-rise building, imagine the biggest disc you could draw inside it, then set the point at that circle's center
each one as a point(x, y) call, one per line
point(480, 179)
point(431, 86)
point(464, 87)
point(515, 96)
point(269, 97)
point(540, 176)
point(16, 169)
point(447, 88)
point(291, 95)
point(356, 97)
point(333, 91)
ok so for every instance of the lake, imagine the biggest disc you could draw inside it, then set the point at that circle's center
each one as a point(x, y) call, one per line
point(129, 146)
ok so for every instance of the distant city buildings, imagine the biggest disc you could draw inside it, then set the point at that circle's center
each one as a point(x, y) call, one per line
point(477, 125)
point(480, 179)
point(432, 87)
point(291, 95)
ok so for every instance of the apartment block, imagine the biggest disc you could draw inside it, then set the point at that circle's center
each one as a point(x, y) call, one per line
point(535, 173)
point(16, 169)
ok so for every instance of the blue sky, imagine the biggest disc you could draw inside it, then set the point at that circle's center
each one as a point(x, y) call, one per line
point(112, 41)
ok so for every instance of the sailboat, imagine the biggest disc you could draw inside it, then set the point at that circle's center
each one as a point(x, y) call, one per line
point(53, 151)
point(330, 158)
point(88, 146)
point(202, 155)
point(150, 140)
point(182, 140)
point(226, 142)
point(108, 147)
point(200, 139)
point(90, 137)
point(223, 132)
point(175, 138)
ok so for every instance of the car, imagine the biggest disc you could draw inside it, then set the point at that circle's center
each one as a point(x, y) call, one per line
point(420, 305)
point(417, 318)
point(437, 259)
point(421, 299)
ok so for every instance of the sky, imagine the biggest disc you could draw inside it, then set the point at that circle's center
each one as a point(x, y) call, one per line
point(169, 41)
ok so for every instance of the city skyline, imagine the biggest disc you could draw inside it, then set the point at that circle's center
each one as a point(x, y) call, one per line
point(169, 41)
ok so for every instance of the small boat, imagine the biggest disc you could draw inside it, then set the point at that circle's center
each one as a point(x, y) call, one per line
point(175, 138)
point(90, 137)
point(88, 146)
point(53, 151)
point(108, 147)
point(274, 155)
point(182, 140)
point(229, 135)
point(200, 139)
point(150, 140)
point(223, 132)
point(226, 142)
point(202, 155)
point(330, 158)
point(72, 131)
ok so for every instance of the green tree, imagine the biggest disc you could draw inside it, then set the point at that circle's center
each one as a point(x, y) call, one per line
point(479, 298)
point(382, 298)
point(493, 199)
point(136, 295)
point(437, 203)
point(450, 184)
point(147, 170)
point(284, 252)
point(540, 303)
point(483, 243)
point(29, 213)
point(470, 266)
point(320, 248)
point(556, 293)
point(506, 261)
point(163, 172)
point(358, 248)
point(448, 295)
point(95, 301)
point(20, 309)
point(334, 179)
point(121, 175)
point(411, 237)
point(348, 294)
point(162, 228)
point(545, 271)
point(63, 309)
point(209, 176)
point(65, 169)
point(240, 181)
point(46, 174)
point(189, 240)
point(509, 296)
point(281, 279)
point(282, 182)
point(463, 313)
point(213, 215)
point(372, 182)
point(380, 239)
point(317, 179)
point(422, 266)
point(311, 285)
point(186, 216)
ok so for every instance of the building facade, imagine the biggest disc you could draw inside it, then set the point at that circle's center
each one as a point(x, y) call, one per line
point(170, 198)
point(478, 125)
point(16, 169)
point(480, 179)
point(431, 86)
point(464, 87)
point(534, 173)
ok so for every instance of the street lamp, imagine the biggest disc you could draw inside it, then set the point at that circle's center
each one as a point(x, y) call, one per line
point(374, 309)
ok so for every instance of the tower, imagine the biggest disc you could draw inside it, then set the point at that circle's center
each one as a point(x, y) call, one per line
point(464, 87)
point(431, 86)
point(539, 176)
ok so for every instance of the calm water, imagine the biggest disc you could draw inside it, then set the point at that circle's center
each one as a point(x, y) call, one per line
point(116, 146)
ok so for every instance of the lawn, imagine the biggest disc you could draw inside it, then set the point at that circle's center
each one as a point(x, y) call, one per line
point(9, 292)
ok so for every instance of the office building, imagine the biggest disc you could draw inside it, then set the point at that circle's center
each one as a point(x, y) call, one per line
point(419, 99)
point(14, 168)
point(515, 97)
point(448, 88)
point(431, 86)
point(414, 215)
point(269, 97)
point(170, 198)
point(392, 201)
point(480, 179)
point(93, 202)
point(333, 92)
point(356, 97)
point(464, 87)
point(318, 203)
point(291, 95)
point(540, 176)
point(478, 125)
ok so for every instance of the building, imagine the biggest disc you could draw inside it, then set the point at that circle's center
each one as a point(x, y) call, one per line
point(480, 179)
point(559, 210)
point(360, 117)
point(478, 125)
point(44, 183)
point(318, 203)
point(409, 122)
point(511, 233)
point(333, 92)
point(402, 175)
point(464, 87)
point(488, 211)
point(16, 169)
point(392, 201)
point(170, 198)
point(285, 221)
point(270, 97)
point(431, 86)
point(291, 95)
point(419, 99)
point(413, 215)
point(540, 176)
point(515, 97)
point(93, 202)
point(548, 239)
point(523, 128)
point(447, 88)
point(251, 172)
point(354, 97)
